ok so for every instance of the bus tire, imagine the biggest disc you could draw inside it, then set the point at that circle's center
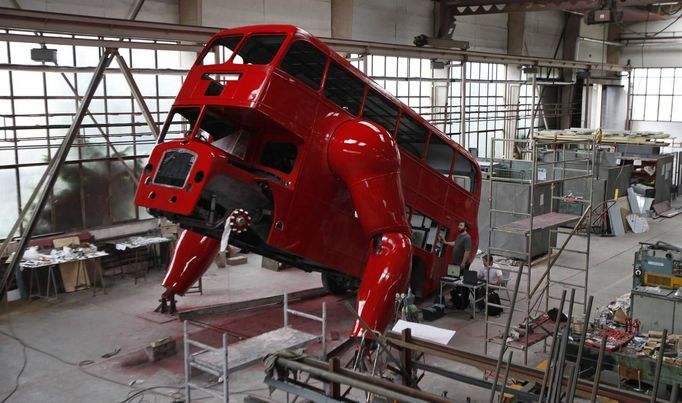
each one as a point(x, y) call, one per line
point(334, 283)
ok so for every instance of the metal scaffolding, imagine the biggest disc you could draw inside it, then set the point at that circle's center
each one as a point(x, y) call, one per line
point(552, 215)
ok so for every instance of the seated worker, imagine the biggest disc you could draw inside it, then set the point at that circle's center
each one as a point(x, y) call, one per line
point(491, 271)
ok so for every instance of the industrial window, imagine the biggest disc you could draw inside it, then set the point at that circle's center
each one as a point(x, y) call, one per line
point(305, 63)
point(220, 50)
point(258, 49)
point(381, 111)
point(344, 89)
point(439, 156)
point(412, 136)
point(279, 156)
point(657, 94)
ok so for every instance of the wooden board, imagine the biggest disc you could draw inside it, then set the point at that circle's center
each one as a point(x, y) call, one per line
point(74, 274)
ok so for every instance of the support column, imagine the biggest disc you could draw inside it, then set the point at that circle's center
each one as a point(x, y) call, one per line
point(569, 49)
point(516, 30)
point(342, 19)
point(190, 12)
point(613, 53)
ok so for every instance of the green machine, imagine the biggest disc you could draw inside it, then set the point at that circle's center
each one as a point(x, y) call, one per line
point(658, 264)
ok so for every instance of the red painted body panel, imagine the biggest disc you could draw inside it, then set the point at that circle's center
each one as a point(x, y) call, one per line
point(193, 254)
point(340, 206)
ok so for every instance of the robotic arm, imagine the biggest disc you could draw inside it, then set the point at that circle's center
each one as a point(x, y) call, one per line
point(365, 157)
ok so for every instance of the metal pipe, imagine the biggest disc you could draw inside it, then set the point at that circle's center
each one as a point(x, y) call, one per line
point(462, 93)
point(562, 351)
point(372, 385)
point(324, 331)
point(188, 368)
point(135, 10)
point(517, 371)
point(71, 69)
point(226, 379)
point(506, 376)
point(578, 359)
point(659, 365)
point(597, 374)
point(505, 335)
point(554, 346)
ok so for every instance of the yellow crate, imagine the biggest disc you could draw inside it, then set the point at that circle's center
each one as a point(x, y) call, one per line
point(662, 280)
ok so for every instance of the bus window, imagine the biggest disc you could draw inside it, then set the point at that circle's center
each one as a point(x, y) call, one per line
point(344, 89)
point(220, 50)
point(305, 63)
point(180, 124)
point(412, 136)
point(379, 110)
point(424, 231)
point(439, 156)
point(439, 250)
point(221, 133)
point(279, 156)
point(258, 49)
point(464, 173)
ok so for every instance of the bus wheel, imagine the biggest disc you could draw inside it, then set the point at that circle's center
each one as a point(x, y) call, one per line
point(335, 284)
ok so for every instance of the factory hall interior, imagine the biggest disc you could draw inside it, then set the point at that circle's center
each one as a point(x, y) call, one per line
point(340, 201)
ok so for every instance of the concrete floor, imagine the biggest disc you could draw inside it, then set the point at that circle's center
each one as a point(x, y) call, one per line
point(65, 339)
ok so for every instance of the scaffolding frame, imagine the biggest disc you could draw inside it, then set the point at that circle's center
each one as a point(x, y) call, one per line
point(544, 287)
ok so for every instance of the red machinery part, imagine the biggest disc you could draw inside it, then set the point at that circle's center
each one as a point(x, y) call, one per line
point(366, 158)
point(240, 220)
point(387, 273)
point(193, 254)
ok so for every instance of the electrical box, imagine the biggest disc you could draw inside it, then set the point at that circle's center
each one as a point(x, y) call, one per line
point(44, 55)
point(604, 16)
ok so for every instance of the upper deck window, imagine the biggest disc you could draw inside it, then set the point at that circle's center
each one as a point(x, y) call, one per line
point(344, 89)
point(439, 156)
point(464, 173)
point(221, 50)
point(258, 49)
point(379, 110)
point(179, 124)
point(412, 136)
point(305, 63)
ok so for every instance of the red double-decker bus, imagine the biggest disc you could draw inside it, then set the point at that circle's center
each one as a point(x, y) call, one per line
point(280, 138)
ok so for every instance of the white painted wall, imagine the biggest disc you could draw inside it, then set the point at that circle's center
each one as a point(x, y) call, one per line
point(312, 15)
point(654, 55)
point(485, 33)
point(152, 10)
point(543, 30)
point(392, 21)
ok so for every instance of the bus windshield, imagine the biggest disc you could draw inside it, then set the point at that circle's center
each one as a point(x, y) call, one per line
point(256, 49)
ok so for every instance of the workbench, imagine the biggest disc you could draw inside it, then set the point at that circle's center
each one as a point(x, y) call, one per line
point(627, 363)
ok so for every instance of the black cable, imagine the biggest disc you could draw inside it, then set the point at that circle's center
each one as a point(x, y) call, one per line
point(142, 391)
point(23, 351)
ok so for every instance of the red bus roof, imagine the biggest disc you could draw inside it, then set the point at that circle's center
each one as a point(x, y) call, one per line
point(292, 30)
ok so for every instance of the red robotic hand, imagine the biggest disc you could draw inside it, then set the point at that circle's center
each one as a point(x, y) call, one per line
point(365, 157)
